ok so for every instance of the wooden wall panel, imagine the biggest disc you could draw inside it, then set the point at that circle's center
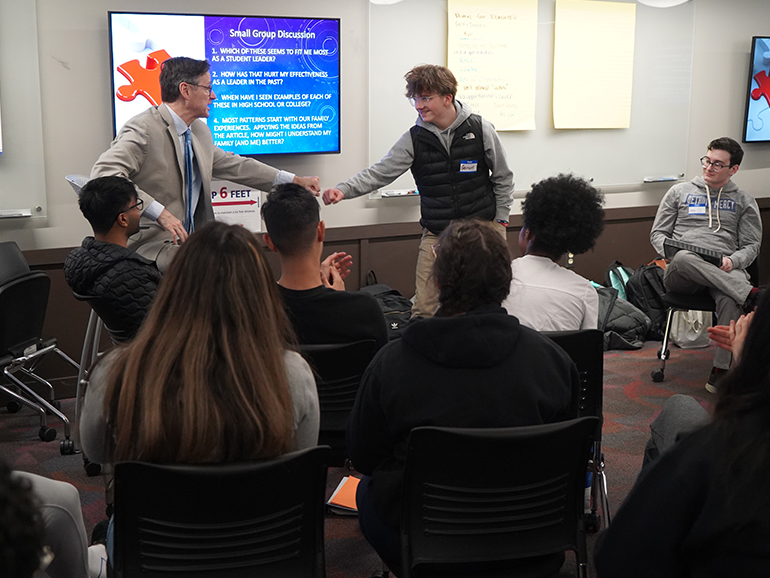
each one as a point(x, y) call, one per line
point(390, 251)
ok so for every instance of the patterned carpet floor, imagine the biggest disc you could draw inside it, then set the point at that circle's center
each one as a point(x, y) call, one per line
point(631, 402)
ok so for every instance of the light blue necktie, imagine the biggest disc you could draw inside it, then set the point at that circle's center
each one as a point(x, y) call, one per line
point(188, 178)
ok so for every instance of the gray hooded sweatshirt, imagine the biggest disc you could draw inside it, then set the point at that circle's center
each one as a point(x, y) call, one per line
point(725, 220)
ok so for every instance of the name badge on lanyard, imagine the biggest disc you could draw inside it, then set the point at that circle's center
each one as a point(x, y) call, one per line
point(469, 166)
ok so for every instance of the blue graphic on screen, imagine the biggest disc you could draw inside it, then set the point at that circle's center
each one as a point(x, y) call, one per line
point(757, 126)
point(276, 82)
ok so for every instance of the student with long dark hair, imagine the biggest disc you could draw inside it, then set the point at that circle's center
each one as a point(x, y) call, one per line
point(704, 508)
point(211, 376)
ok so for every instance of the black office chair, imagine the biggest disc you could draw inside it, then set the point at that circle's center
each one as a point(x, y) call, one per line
point(23, 304)
point(586, 349)
point(12, 262)
point(481, 501)
point(113, 321)
point(338, 369)
point(682, 302)
point(230, 521)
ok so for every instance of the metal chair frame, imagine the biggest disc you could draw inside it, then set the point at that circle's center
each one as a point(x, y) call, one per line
point(683, 302)
point(586, 349)
point(23, 349)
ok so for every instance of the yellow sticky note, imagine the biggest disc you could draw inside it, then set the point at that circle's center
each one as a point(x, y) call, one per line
point(593, 64)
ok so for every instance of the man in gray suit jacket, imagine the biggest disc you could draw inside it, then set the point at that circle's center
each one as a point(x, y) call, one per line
point(150, 151)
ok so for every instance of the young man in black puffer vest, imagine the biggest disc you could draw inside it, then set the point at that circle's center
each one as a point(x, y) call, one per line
point(457, 162)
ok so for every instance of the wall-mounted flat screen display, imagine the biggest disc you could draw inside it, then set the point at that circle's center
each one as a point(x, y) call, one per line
point(756, 127)
point(276, 80)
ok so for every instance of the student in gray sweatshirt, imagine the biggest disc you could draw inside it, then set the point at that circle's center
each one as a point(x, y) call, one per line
point(713, 213)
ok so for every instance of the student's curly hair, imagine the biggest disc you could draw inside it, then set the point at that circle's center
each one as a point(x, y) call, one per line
point(565, 214)
point(21, 527)
point(430, 78)
point(472, 268)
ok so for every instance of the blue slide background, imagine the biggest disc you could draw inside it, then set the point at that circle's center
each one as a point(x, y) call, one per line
point(260, 107)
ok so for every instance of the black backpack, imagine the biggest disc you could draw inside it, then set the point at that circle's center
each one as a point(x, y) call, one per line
point(645, 290)
point(396, 308)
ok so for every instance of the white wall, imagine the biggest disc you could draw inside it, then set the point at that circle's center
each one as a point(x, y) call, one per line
point(75, 101)
point(721, 54)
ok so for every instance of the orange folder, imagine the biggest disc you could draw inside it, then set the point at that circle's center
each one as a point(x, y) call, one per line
point(344, 497)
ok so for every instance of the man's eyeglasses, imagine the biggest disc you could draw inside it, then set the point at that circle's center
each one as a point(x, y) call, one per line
point(139, 205)
point(423, 100)
point(203, 86)
point(717, 166)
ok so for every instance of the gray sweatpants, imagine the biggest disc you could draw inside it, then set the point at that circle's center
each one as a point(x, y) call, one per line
point(680, 414)
point(689, 274)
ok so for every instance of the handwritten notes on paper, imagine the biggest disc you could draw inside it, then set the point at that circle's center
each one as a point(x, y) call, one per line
point(593, 64)
point(492, 51)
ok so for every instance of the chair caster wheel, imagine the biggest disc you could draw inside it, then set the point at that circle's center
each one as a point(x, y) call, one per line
point(592, 523)
point(56, 404)
point(657, 376)
point(47, 434)
point(67, 447)
point(92, 468)
point(13, 406)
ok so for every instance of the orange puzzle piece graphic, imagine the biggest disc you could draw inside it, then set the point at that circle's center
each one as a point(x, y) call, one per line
point(764, 86)
point(143, 81)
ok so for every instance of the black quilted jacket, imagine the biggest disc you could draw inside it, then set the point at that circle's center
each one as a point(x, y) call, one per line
point(124, 280)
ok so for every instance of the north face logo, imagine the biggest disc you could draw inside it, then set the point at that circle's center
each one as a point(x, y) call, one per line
point(469, 136)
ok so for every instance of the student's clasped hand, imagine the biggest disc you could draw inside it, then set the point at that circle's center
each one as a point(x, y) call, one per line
point(334, 269)
point(731, 337)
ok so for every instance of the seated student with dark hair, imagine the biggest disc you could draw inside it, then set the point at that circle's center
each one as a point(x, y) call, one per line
point(314, 292)
point(702, 508)
point(561, 214)
point(472, 365)
point(102, 266)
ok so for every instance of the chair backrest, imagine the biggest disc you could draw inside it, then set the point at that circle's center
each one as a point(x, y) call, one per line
point(113, 321)
point(12, 262)
point(476, 496)
point(338, 369)
point(23, 304)
point(260, 518)
point(586, 349)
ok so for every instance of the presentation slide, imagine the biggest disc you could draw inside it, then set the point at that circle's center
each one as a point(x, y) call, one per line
point(276, 80)
point(757, 128)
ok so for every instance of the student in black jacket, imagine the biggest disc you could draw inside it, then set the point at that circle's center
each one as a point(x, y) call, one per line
point(472, 365)
point(103, 266)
